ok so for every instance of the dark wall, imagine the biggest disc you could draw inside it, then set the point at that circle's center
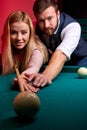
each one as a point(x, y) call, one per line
point(76, 8)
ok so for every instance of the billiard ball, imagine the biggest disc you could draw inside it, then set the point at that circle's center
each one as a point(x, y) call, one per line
point(26, 104)
point(82, 72)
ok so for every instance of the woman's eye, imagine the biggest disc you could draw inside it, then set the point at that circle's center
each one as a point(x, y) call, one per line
point(13, 32)
point(24, 32)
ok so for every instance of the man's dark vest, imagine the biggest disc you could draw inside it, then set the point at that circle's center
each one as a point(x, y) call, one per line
point(80, 51)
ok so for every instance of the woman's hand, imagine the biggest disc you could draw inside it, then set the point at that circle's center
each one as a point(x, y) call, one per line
point(25, 81)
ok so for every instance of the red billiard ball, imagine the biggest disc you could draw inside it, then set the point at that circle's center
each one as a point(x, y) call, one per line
point(26, 104)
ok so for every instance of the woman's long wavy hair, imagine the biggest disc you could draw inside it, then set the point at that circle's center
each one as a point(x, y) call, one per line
point(8, 57)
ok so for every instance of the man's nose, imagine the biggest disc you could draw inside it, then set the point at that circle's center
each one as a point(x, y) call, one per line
point(46, 23)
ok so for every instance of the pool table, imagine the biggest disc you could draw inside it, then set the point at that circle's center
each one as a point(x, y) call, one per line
point(63, 104)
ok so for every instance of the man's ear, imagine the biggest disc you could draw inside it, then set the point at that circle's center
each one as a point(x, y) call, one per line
point(58, 14)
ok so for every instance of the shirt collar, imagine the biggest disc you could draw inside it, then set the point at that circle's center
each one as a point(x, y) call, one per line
point(57, 27)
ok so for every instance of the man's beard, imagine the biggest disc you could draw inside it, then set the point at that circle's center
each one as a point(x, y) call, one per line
point(48, 31)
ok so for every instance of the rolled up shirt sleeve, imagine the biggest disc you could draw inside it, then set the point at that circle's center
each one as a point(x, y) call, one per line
point(70, 36)
point(35, 63)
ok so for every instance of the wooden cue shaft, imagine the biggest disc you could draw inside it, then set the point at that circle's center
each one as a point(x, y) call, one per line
point(19, 79)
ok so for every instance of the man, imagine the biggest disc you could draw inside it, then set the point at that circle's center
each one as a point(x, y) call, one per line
point(69, 49)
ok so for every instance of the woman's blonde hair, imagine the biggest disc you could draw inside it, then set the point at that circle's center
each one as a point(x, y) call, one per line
point(8, 57)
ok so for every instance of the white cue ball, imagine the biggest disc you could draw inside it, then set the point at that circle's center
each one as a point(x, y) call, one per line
point(82, 72)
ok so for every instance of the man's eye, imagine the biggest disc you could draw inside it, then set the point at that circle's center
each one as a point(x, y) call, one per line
point(41, 21)
point(49, 18)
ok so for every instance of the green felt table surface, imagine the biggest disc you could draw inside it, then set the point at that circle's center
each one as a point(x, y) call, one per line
point(63, 104)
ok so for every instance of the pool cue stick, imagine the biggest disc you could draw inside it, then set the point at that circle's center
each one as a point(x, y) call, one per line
point(19, 78)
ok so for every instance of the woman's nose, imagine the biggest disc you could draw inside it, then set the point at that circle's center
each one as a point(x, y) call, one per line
point(19, 36)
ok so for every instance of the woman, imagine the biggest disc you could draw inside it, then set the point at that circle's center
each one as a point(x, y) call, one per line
point(21, 46)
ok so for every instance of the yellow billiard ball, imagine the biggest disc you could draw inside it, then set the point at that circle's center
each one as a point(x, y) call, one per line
point(82, 72)
point(26, 104)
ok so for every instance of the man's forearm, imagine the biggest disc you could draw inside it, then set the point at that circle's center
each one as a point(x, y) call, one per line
point(55, 65)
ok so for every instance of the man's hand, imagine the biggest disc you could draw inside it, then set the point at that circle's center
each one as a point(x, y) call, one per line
point(39, 80)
